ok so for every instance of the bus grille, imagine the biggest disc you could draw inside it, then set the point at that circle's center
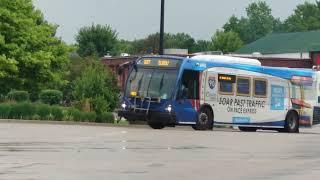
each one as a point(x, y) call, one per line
point(316, 115)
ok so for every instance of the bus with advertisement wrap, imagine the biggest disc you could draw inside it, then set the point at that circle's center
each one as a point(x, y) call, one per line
point(208, 90)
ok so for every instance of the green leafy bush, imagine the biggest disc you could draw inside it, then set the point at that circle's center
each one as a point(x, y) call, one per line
point(100, 105)
point(28, 110)
point(105, 117)
point(57, 113)
point(51, 96)
point(18, 96)
point(90, 116)
point(76, 114)
point(66, 115)
point(32, 111)
point(99, 85)
point(36, 117)
point(44, 111)
point(22, 110)
point(5, 111)
point(2, 98)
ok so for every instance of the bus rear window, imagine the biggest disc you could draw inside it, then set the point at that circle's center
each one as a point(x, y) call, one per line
point(260, 88)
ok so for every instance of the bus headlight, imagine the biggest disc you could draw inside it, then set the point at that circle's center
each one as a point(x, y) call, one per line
point(169, 109)
point(123, 105)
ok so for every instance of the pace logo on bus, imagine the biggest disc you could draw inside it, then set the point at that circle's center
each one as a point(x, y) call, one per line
point(212, 82)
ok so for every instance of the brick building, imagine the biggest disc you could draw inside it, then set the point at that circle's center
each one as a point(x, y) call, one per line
point(120, 66)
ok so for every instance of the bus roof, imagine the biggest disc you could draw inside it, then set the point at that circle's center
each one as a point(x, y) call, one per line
point(243, 64)
point(227, 59)
point(281, 72)
point(163, 56)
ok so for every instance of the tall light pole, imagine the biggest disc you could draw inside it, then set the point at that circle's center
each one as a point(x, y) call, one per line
point(161, 29)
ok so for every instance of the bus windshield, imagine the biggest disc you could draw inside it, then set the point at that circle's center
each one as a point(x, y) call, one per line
point(154, 83)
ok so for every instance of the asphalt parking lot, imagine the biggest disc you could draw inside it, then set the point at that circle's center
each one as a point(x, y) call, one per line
point(73, 152)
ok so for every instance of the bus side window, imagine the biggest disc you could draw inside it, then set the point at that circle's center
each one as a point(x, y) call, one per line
point(226, 88)
point(243, 86)
point(260, 88)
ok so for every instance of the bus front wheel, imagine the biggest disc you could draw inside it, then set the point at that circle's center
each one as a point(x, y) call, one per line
point(156, 125)
point(205, 120)
point(292, 123)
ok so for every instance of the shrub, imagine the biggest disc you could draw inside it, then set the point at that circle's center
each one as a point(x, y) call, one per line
point(51, 96)
point(57, 113)
point(76, 114)
point(84, 105)
point(15, 112)
point(99, 85)
point(105, 117)
point(2, 98)
point(44, 110)
point(36, 117)
point(22, 110)
point(66, 115)
point(100, 105)
point(18, 96)
point(90, 116)
point(28, 110)
point(5, 111)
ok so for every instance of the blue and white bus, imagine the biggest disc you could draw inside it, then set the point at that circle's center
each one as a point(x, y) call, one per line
point(208, 90)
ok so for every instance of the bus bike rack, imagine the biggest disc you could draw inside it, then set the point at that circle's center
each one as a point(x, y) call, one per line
point(147, 99)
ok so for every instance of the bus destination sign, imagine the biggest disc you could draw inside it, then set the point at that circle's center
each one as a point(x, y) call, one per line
point(226, 78)
point(164, 63)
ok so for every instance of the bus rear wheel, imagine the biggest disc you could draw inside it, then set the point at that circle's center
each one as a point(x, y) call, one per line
point(247, 129)
point(205, 120)
point(292, 123)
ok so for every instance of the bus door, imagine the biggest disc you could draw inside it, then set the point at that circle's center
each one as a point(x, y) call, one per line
point(187, 102)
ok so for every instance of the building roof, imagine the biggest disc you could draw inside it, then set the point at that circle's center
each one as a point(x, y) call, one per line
point(279, 43)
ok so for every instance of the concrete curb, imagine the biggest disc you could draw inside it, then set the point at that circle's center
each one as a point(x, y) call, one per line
point(69, 123)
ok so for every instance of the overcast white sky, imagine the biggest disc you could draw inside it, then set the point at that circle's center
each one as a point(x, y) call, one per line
point(135, 19)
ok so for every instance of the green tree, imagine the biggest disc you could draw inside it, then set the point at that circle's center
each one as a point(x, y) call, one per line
point(181, 41)
point(98, 85)
point(7, 66)
point(306, 17)
point(31, 57)
point(202, 46)
point(124, 46)
point(226, 41)
point(239, 26)
point(258, 23)
point(260, 20)
point(150, 44)
point(96, 40)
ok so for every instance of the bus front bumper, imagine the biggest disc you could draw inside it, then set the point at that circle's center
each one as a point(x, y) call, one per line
point(165, 118)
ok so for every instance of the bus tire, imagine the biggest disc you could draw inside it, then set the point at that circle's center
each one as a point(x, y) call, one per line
point(156, 125)
point(205, 120)
point(292, 122)
point(247, 129)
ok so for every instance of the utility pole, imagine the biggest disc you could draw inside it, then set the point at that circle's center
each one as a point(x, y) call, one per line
point(161, 29)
